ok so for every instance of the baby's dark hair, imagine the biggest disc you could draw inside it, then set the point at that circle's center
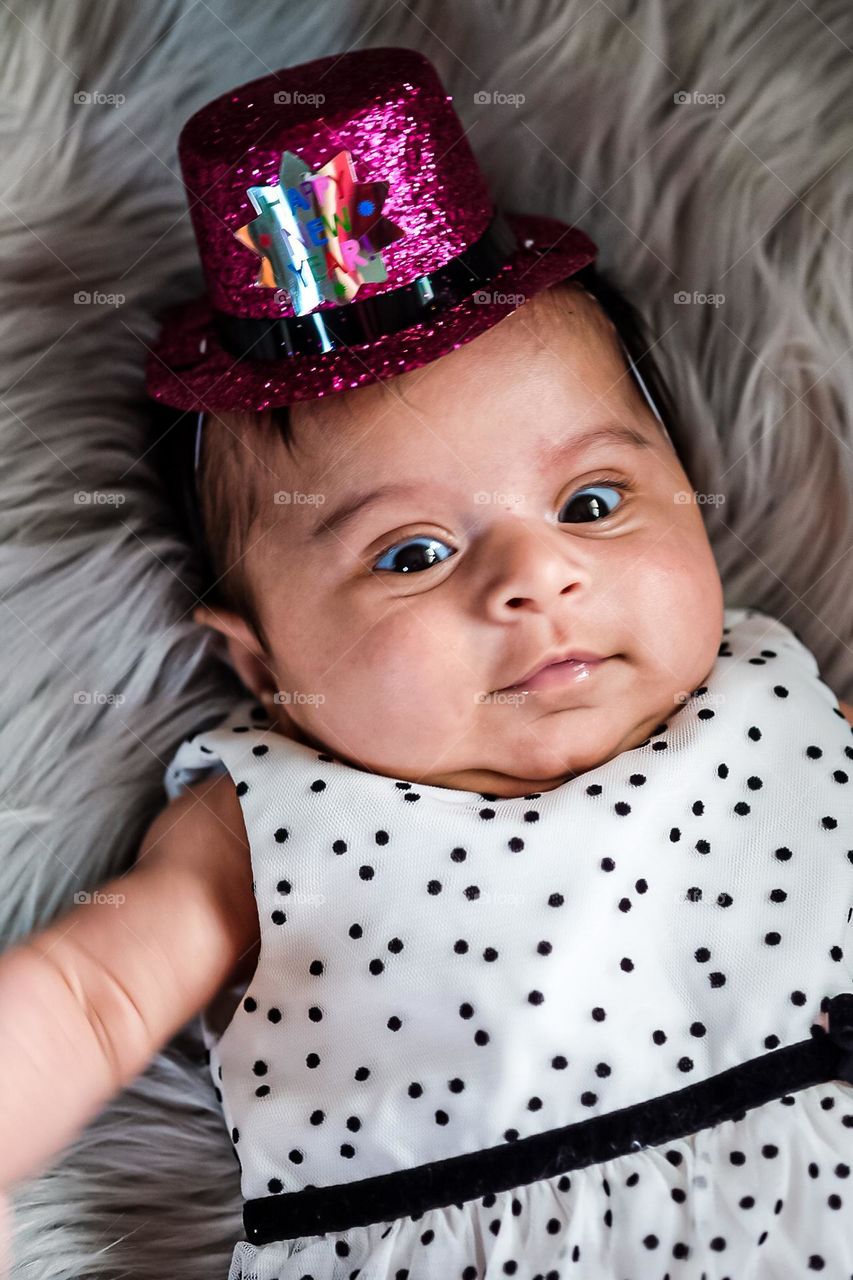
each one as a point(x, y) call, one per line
point(234, 507)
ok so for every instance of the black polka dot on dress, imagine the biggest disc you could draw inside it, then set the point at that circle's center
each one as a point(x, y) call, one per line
point(447, 974)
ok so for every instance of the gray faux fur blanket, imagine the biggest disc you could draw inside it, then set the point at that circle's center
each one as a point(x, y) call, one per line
point(705, 147)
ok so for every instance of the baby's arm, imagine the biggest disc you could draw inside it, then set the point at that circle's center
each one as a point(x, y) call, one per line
point(88, 1001)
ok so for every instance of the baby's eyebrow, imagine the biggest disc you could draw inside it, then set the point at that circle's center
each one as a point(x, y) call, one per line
point(346, 511)
point(607, 433)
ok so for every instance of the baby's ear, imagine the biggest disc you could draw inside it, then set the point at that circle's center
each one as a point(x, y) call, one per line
point(245, 651)
point(210, 616)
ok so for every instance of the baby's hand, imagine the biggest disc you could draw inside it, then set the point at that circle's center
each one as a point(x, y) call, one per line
point(87, 1002)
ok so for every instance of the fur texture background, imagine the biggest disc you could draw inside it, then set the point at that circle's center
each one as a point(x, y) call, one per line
point(751, 199)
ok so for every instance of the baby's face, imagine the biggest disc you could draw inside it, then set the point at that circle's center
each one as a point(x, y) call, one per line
point(497, 538)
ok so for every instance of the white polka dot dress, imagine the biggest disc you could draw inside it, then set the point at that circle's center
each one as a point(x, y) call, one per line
point(601, 1031)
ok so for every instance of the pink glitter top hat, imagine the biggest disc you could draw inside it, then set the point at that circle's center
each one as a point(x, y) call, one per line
point(346, 234)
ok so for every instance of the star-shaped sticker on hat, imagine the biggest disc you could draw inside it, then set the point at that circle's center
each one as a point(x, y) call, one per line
point(319, 234)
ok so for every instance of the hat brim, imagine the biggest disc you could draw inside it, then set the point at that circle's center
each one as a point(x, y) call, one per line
point(189, 369)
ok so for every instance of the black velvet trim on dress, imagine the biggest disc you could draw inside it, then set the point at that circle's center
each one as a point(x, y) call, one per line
point(410, 1192)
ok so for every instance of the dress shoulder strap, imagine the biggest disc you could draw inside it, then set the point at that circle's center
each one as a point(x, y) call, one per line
point(206, 750)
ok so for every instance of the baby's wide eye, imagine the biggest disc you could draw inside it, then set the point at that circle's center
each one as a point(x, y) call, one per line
point(413, 555)
point(589, 504)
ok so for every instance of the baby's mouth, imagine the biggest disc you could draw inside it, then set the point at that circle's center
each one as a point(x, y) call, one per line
point(559, 675)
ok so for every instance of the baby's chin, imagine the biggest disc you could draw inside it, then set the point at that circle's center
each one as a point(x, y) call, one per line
point(541, 756)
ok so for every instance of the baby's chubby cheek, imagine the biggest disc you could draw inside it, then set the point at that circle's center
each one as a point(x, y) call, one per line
point(395, 692)
point(675, 602)
point(412, 673)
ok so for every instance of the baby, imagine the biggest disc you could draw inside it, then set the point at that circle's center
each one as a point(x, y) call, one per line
point(514, 895)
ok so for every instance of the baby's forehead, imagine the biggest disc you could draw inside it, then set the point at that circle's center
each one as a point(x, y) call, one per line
point(559, 342)
point(559, 324)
